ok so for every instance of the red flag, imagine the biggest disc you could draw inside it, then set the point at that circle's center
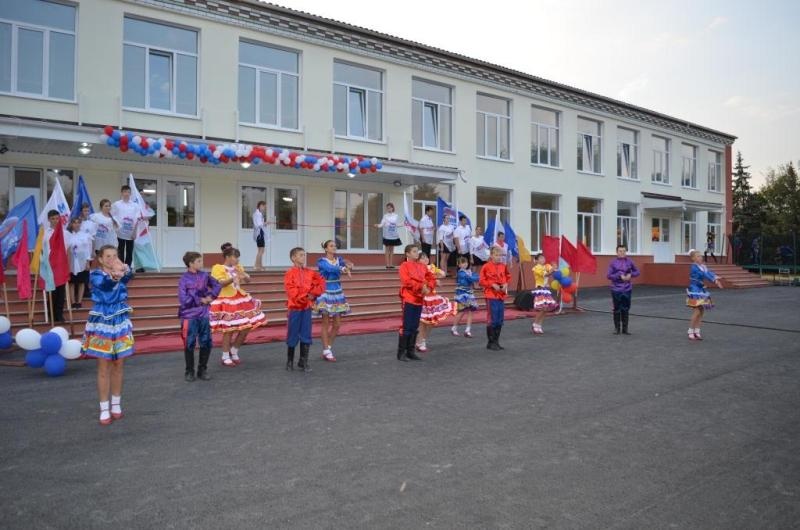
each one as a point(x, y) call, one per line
point(585, 260)
point(22, 262)
point(550, 249)
point(568, 252)
point(58, 256)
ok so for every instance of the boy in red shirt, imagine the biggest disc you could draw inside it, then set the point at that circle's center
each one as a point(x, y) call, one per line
point(494, 280)
point(415, 282)
point(303, 286)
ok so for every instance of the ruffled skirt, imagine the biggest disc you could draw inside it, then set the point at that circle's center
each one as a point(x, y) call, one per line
point(543, 300)
point(465, 299)
point(109, 332)
point(700, 298)
point(332, 302)
point(236, 313)
point(436, 308)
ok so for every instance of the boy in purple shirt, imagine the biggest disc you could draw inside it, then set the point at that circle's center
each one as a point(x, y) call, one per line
point(196, 290)
point(620, 271)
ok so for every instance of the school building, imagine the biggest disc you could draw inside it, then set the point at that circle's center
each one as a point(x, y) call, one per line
point(550, 158)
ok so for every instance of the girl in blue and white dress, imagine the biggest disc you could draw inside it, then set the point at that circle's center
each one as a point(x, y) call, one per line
point(697, 296)
point(332, 304)
point(465, 297)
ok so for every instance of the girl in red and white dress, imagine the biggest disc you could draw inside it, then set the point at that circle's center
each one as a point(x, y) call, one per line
point(233, 312)
point(435, 307)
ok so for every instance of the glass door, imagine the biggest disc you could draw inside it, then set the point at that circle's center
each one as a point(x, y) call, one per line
point(283, 230)
point(179, 233)
point(249, 197)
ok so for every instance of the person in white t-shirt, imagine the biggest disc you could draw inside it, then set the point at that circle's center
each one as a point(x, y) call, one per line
point(87, 225)
point(125, 213)
point(461, 235)
point(478, 249)
point(79, 244)
point(260, 233)
point(503, 246)
point(427, 229)
point(446, 243)
point(105, 229)
point(391, 237)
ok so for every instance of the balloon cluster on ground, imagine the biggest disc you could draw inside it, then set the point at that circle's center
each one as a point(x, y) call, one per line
point(210, 153)
point(564, 283)
point(5, 333)
point(49, 350)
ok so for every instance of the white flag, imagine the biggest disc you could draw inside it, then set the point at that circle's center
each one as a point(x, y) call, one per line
point(409, 222)
point(57, 202)
point(145, 212)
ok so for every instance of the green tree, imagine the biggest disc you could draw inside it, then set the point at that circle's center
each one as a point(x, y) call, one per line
point(747, 211)
point(781, 199)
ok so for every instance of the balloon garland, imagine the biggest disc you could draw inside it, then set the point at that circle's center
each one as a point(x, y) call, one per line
point(50, 350)
point(210, 153)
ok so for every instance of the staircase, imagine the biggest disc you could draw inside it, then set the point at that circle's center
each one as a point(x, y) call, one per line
point(372, 293)
point(734, 277)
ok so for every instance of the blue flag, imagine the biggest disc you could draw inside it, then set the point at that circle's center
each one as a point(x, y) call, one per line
point(511, 240)
point(442, 209)
point(81, 198)
point(11, 228)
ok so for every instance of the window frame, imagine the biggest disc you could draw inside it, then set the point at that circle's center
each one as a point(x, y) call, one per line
point(665, 177)
point(662, 222)
point(593, 217)
point(717, 229)
point(715, 167)
point(537, 127)
point(366, 90)
point(693, 164)
point(634, 235)
point(690, 223)
point(548, 216)
point(174, 70)
point(437, 104)
point(633, 171)
point(367, 225)
point(498, 118)
point(505, 210)
point(46, 32)
point(580, 146)
point(279, 93)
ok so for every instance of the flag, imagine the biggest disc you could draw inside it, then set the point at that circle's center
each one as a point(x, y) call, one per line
point(511, 240)
point(585, 261)
point(81, 198)
point(11, 228)
point(57, 202)
point(58, 256)
point(409, 222)
point(23, 264)
point(492, 229)
point(145, 211)
point(524, 253)
point(144, 255)
point(40, 264)
point(2, 274)
point(442, 209)
point(550, 248)
point(568, 251)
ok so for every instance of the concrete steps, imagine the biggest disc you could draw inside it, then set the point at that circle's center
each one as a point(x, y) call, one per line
point(734, 277)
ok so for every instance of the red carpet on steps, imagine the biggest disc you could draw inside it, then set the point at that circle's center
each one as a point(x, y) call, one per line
point(167, 342)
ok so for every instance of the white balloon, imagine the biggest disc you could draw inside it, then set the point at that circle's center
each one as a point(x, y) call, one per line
point(5, 324)
point(137, 140)
point(61, 332)
point(28, 339)
point(71, 349)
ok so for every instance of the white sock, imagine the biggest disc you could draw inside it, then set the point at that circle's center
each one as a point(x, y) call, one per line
point(696, 331)
point(468, 329)
point(116, 404)
point(691, 331)
point(104, 412)
point(455, 328)
point(225, 355)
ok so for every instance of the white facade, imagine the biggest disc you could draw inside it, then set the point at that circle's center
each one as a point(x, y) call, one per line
point(484, 171)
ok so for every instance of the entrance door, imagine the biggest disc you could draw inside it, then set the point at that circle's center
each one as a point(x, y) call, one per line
point(283, 233)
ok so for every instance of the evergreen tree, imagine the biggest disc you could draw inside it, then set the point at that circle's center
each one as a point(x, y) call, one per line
point(743, 202)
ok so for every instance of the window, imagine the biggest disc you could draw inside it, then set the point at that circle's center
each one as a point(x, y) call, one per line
point(715, 171)
point(544, 218)
point(285, 208)
point(37, 49)
point(544, 137)
point(627, 154)
point(689, 166)
point(268, 86)
point(589, 146)
point(357, 101)
point(628, 226)
point(493, 128)
point(159, 67)
point(432, 115)
point(660, 173)
point(490, 201)
point(589, 223)
point(149, 191)
point(355, 214)
point(180, 204)
point(5, 192)
point(66, 177)
point(689, 227)
point(659, 230)
point(425, 195)
point(715, 227)
point(17, 184)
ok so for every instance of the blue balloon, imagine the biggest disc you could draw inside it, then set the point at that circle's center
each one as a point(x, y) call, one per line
point(156, 145)
point(557, 275)
point(51, 343)
point(256, 161)
point(5, 340)
point(566, 281)
point(175, 150)
point(55, 365)
point(110, 141)
point(379, 165)
point(115, 135)
point(35, 358)
point(364, 164)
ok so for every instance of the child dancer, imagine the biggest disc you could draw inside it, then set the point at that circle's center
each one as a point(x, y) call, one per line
point(416, 281)
point(697, 296)
point(494, 279)
point(196, 290)
point(620, 272)
point(303, 286)
point(332, 304)
point(435, 307)
point(233, 311)
point(108, 336)
point(543, 301)
point(465, 297)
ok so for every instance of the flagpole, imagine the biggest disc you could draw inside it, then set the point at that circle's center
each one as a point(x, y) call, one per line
point(5, 298)
point(68, 288)
point(50, 309)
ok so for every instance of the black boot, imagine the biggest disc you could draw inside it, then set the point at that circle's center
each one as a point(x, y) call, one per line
point(617, 319)
point(625, 323)
point(304, 357)
point(497, 330)
point(493, 345)
point(202, 364)
point(410, 345)
point(188, 354)
point(290, 358)
point(402, 344)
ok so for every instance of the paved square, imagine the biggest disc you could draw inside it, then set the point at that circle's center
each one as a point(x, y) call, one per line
point(573, 429)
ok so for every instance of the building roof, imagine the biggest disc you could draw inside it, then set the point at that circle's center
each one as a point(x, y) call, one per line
point(275, 18)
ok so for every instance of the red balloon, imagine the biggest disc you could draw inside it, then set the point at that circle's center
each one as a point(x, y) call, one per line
point(223, 158)
point(373, 169)
point(123, 139)
point(182, 148)
point(123, 148)
point(144, 143)
point(362, 170)
point(169, 145)
point(108, 129)
point(203, 159)
point(190, 156)
point(353, 164)
point(566, 297)
point(212, 147)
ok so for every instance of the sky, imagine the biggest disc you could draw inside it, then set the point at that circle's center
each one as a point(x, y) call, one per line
point(731, 65)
